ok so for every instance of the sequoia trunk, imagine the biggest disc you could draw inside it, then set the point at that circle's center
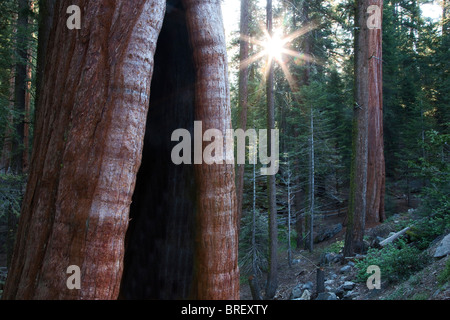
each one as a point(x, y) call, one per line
point(216, 270)
point(89, 130)
point(376, 167)
point(356, 220)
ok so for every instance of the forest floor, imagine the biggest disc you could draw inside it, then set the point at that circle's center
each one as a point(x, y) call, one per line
point(423, 285)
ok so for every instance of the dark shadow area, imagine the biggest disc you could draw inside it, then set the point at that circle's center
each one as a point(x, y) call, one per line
point(159, 250)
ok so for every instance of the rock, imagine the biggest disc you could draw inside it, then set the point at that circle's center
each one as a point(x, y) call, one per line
point(348, 285)
point(338, 258)
point(345, 269)
point(443, 248)
point(329, 282)
point(308, 286)
point(350, 295)
point(375, 243)
point(351, 263)
point(296, 261)
point(373, 294)
point(339, 292)
point(328, 233)
point(298, 291)
point(326, 296)
point(306, 295)
point(331, 257)
point(327, 258)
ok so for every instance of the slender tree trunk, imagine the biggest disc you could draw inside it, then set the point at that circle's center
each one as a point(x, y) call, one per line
point(243, 99)
point(27, 110)
point(5, 160)
point(311, 183)
point(87, 147)
point(46, 11)
point(289, 199)
point(20, 85)
point(376, 167)
point(216, 253)
point(272, 277)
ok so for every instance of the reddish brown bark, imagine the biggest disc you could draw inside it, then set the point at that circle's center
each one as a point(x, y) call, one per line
point(87, 148)
point(376, 169)
point(365, 39)
point(216, 272)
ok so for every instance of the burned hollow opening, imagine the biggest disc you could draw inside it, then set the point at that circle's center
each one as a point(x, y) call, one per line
point(159, 249)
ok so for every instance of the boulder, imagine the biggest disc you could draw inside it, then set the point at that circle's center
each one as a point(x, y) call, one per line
point(331, 257)
point(296, 292)
point(348, 285)
point(326, 296)
point(350, 295)
point(345, 269)
point(443, 248)
point(308, 286)
point(306, 295)
point(299, 290)
point(327, 233)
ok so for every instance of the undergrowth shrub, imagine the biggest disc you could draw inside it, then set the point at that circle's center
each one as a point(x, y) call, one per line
point(397, 262)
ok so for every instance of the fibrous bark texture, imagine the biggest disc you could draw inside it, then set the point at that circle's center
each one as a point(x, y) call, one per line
point(356, 219)
point(90, 127)
point(376, 167)
point(216, 271)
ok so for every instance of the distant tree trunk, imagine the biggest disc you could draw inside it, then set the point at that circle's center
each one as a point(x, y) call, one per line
point(5, 160)
point(376, 167)
point(87, 147)
point(46, 11)
point(243, 99)
point(20, 85)
point(216, 270)
point(289, 201)
point(311, 182)
point(272, 277)
point(27, 110)
point(356, 218)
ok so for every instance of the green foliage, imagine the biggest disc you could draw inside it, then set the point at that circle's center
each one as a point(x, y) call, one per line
point(435, 205)
point(396, 262)
point(10, 194)
point(444, 276)
point(420, 296)
point(336, 247)
point(253, 257)
point(283, 237)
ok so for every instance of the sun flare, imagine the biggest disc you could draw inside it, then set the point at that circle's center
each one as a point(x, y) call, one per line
point(276, 48)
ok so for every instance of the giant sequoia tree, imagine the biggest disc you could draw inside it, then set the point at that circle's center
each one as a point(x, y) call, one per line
point(96, 104)
point(367, 168)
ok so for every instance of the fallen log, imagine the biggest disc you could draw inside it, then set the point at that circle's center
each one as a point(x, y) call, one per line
point(394, 237)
